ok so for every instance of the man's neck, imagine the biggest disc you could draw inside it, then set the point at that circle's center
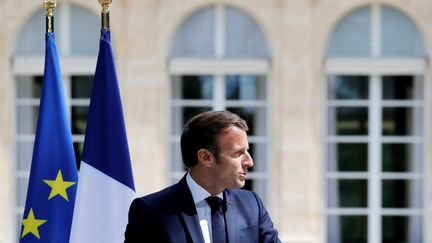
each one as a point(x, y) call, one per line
point(205, 183)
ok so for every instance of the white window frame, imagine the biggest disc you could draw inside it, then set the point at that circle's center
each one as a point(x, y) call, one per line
point(219, 68)
point(375, 68)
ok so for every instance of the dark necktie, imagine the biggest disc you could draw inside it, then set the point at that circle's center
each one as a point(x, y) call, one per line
point(217, 218)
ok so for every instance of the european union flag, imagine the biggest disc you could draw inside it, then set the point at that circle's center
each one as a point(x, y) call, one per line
point(53, 176)
point(105, 172)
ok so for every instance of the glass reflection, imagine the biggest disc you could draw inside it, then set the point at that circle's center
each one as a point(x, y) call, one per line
point(347, 229)
point(347, 193)
point(348, 120)
point(245, 87)
point(352, 193)
point(78, 149)
point(79, 119)
point(23, 155)
point(249, 184)
point(189, 112)
point(347, 157)
point(400, 88)
point(254, 117)
point(81, 86)
point(401, 121)
point(401, 194)
point(29, 86)
point(348, 87)
point(407, 229)
point(196, 87)
point(401, 157)
point(27, 119)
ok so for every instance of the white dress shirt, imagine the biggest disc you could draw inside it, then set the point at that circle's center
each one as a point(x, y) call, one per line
point(199, 195)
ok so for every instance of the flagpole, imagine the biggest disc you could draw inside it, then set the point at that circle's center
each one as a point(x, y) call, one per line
point(105, 13)
point(50, 5)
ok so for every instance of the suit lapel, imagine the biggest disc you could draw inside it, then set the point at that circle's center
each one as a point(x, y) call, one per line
point(192, 225)
point(188, 212)
point(231, 219)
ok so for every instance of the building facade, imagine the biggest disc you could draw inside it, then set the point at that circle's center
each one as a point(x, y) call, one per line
point(336, 93)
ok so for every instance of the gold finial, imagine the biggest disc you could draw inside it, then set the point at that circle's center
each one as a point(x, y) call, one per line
point(50, 5)
point(105, 13)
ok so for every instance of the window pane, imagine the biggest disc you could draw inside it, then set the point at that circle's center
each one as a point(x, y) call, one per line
point(402, 157)
point(248, 185)
point(401, 88)
point(400, 35)
point(258, 186)
point(78, 149)
point(400, 121)
point(348, 121)
point(84, 38)
point(348, 87)
point(406, 229)
point(401, 194)
point(195, 37)
point(79, 119)
point(183, 114)
point(30, 40)
point(347, 229)
point(347, 157)
point(351, 37)
point(244, 37)
point(193, 87)
point(245, 87)
point(29, 86)
point(347, 193)
point(24, 152)
point(176, 157)
point(254, 117)
point(27, 119)
point(81, 86)
point(22, 191)
point(259, 155)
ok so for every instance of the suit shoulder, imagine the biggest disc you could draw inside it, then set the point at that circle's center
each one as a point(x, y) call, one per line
point(243, 195)
point(159, 198)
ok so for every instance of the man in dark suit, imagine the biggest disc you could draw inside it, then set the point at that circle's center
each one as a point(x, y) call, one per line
point(206, 206)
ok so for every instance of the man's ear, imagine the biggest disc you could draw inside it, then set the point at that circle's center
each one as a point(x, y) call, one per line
point(205, 157)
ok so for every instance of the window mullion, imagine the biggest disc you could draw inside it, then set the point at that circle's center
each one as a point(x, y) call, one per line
point(219, 31)
point(376, 31)
point(219, 93)
point(68, 94)
point(374, 158)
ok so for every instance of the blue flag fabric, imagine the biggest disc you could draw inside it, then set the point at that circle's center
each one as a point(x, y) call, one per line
point(105, 145)
point(53, 176)
point(106, 187)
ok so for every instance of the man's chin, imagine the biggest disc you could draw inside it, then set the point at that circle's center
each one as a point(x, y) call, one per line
point(241, 184)
point(237, 185)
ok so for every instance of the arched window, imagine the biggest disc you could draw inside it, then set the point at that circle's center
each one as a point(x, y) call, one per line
point(77, 38)
point(219, 60)
point(375, 142)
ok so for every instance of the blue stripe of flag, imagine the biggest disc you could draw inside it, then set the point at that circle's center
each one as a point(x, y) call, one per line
point(105, 145)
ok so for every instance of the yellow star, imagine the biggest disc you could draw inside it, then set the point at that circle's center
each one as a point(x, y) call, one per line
point(59, 186)
point(31, 225)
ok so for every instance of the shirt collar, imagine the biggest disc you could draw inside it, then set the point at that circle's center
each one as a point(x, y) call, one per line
point(198, 193)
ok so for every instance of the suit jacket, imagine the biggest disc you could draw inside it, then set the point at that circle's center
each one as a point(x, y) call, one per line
point(170, 216)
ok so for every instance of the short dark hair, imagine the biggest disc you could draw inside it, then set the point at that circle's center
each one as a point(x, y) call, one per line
point(201, 132)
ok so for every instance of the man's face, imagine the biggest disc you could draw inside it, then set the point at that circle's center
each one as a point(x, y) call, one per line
point(231, 166)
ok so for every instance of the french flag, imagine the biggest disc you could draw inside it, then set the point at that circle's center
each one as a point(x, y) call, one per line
point(106, 187)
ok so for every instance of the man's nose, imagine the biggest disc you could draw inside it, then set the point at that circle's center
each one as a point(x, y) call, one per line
point(248, 161)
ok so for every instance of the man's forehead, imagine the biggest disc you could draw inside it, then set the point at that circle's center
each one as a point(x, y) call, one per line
point(231, 135)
